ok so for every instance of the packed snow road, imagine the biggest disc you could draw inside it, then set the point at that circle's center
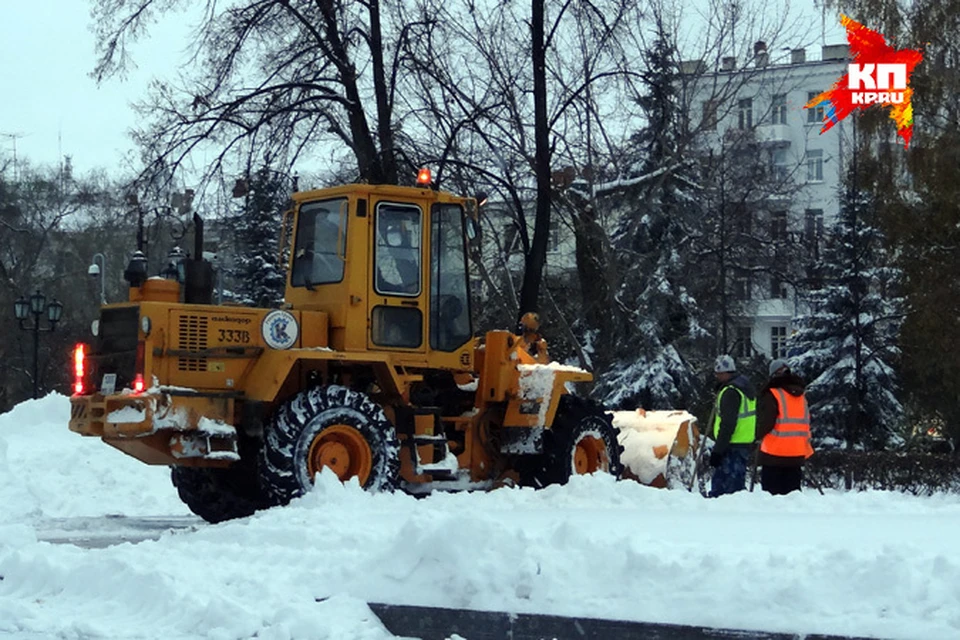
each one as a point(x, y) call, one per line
point(97, 532)
point(868, 564)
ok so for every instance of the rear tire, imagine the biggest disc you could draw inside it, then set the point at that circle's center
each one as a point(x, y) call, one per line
point(217, 494)
point(583, 440)
point(332, 427)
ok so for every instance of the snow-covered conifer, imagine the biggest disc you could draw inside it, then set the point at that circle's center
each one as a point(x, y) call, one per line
point(258, 279)
point(846, 346)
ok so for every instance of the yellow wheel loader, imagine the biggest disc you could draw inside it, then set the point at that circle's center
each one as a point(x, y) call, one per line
point(370, 368)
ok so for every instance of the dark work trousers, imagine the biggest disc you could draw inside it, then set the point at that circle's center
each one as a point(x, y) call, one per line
point(780, 481)
point(731, 475)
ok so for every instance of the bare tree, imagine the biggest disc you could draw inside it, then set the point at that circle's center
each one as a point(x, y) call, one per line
point(270, 78)
point(43, 246)
point(509, 119)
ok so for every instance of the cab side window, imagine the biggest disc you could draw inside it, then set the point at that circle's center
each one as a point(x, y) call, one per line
point(321, 243)
point(449, 296)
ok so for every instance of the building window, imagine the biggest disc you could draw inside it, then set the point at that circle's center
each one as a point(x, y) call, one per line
point(778, 342)
point(813, 224)
point(745, 113)
point(778, 109)
point(553, 241)
point(815, 165)
point(778, 164)
point(743, 342)
point(741, 287)
point(778, 288)
point(778, 226)
point(813, 228)
point(709, 113)
point(814, 114)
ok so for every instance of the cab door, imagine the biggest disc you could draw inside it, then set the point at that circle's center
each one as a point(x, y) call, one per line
point(398, 291)
point(450, 323)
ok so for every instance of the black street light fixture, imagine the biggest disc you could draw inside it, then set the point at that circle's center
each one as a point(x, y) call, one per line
point(35, 306)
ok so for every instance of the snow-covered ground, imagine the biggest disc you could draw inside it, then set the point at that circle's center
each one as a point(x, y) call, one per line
point(871, 564)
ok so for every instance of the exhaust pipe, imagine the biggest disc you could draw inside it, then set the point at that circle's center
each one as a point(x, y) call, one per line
point(198, 288)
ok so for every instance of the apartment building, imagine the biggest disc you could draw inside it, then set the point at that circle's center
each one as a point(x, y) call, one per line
point(767, 98)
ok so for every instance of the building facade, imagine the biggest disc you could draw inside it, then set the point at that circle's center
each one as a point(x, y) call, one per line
point(767, 99)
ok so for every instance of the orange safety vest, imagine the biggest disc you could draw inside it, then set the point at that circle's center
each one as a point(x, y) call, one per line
point(790, 437)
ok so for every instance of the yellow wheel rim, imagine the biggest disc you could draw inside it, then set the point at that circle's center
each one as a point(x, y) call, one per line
point(343, 450)
point(590, 456)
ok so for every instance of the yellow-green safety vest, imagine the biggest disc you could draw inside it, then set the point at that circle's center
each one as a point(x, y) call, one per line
point(746, 430)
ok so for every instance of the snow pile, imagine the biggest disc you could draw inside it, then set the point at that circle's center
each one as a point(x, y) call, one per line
point(867, 564)
point(47, 470)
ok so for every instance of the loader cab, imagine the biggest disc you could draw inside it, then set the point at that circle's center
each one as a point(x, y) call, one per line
point(388, 265)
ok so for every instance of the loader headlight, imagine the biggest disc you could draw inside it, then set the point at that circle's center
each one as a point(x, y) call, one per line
point(145, 325)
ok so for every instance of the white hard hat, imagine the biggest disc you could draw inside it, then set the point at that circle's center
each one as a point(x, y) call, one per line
point(778, 364)
point(724, 364)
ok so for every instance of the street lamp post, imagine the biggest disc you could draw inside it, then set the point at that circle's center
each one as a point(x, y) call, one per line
point(35, 306)
point(99, 270)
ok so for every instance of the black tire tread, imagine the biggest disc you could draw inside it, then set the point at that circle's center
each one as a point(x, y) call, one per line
point(217, 495)
point(279, 464)
point(574, 416)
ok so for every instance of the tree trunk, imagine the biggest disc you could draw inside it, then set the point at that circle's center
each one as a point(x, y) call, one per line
point(536, 257)
point(593, 271)
point(364, 146)
point(388, 160)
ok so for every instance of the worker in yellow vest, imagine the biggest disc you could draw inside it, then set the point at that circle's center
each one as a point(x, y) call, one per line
point(733, 429)
point(783, 428)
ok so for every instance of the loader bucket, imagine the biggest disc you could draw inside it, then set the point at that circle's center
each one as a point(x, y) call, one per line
point(659, 447)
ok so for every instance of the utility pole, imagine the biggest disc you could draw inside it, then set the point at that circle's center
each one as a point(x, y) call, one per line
point(13, 138)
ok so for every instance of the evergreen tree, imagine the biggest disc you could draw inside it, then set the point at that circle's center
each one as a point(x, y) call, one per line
point(257, 278)
point(847, 344)
point(657, 315)
point(922, 204)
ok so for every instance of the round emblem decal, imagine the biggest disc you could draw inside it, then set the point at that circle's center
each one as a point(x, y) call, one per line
point(279, 329)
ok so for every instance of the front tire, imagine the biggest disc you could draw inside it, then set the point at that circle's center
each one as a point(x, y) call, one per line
point(583, 440)
point(331, 427)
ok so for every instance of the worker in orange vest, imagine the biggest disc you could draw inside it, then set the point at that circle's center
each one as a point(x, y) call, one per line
point(783, 429)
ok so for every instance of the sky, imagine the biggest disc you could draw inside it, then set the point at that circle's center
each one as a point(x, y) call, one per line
point(869, 564)
point(51, 107)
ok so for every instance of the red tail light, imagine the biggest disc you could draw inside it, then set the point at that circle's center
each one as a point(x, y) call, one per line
point(138, 378)
point(78, 368)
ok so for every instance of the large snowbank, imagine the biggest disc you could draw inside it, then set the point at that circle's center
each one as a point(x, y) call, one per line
point(867, 564)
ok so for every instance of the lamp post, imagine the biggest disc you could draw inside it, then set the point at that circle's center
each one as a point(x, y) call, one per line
point(35, 305)
point(99, 270)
